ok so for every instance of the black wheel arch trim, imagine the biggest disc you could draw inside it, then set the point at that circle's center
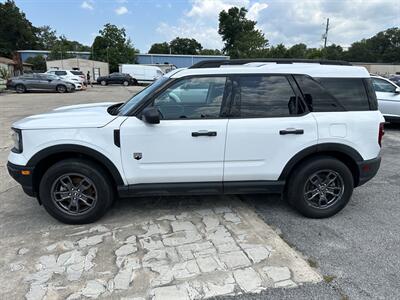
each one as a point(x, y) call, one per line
point(78, 149)
point(320, 149)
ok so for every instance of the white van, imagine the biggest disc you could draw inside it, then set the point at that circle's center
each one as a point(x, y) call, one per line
point(141, 73)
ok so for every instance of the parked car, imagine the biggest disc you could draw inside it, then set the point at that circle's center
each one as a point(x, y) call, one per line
point(141, 73)
point(80, 74)
point(116, 78)
point(395, 78)
point(310, 130)
point(388, 95)
point(67, 74)
point(78, 86)
point(39, 82)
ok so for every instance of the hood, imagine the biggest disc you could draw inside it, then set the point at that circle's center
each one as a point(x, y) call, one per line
point(73, 116)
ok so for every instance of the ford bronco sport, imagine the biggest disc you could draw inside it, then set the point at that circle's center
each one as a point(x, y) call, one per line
point(310, 130)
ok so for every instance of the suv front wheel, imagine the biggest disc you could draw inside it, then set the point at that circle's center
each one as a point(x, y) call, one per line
point(76, 191)
point(320, 187)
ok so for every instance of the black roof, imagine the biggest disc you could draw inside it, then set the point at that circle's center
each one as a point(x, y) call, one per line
point(218, 63)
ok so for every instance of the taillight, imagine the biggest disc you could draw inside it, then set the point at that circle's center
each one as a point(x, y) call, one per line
point(381, 133)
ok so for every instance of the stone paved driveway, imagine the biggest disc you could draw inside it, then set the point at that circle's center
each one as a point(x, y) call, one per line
point(173, 248)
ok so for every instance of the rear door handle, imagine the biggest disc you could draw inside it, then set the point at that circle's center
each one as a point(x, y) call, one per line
point(204, 133)
point(291, 131)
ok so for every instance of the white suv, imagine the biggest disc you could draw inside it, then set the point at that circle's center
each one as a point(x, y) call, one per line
point(310, 130)
point(77, 80)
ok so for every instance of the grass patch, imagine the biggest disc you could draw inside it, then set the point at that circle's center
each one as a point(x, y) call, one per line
point(312, 263)
point(329, 278)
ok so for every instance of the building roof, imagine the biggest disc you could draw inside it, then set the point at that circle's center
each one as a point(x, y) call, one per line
point(47, 51)
point(7, 61)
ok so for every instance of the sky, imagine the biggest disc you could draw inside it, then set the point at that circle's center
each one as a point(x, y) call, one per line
point(151, 21)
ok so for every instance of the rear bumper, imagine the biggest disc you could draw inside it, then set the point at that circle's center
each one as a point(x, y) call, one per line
point(26, 181)
point(367, 169)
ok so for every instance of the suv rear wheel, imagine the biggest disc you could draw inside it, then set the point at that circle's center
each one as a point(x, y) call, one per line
point(75, 191)
point(320, 187)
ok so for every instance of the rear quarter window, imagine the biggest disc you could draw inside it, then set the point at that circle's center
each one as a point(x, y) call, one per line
point(336, 94)
point(350, 92)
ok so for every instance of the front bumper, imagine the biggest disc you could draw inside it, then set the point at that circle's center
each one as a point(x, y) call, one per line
point(367, 169)
point(26, 181)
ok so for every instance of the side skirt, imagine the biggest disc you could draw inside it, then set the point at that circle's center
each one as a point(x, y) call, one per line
point(201, 188)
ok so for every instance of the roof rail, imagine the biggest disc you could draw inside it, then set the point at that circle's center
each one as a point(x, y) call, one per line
point(218, 63)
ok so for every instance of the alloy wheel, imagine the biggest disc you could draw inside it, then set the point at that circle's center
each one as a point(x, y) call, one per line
point(74, 194)
point(323, 189)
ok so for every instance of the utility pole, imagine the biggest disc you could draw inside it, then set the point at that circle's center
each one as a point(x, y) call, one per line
point(326, 32)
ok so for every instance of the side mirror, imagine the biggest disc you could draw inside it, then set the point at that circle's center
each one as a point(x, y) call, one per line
point(397, 91)
point(151, 115)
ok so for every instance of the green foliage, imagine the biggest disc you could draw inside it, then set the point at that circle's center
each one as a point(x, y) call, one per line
point(47, 37)
point(160, 48)
point(38, 63)
point(211, 52)
point(16, 32)
point(185, 46)
point(113, 46)
point(239, 35)
point(382, 47)
point(4, 74)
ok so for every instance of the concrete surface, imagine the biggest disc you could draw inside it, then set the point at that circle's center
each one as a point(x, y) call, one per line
point(144, 248)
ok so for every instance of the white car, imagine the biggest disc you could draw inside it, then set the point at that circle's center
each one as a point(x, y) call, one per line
point(388, 94)
point(68, 75)
point(310, 130)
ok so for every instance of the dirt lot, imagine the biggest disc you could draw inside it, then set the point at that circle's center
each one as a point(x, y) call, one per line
point(147, 248)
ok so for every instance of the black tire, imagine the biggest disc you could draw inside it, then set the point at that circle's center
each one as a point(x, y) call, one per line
point(103, 82)
point(61, 89)
point(101, 191)
point(20, 88)
point(126, 83)
point(300, 183)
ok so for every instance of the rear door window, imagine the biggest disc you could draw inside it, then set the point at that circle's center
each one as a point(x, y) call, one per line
point(262, 96)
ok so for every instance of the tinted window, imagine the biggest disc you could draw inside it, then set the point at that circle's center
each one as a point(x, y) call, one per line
point(349, 92)
point(60, 73)
point(77, 72)
point(381, 85)
point(260, 96)
point(317, 98)
point(194, 98)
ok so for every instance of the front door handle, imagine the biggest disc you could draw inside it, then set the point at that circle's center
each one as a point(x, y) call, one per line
point(204, 133)
point(291, 131)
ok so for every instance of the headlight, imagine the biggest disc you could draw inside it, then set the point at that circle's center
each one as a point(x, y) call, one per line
point(16, 135)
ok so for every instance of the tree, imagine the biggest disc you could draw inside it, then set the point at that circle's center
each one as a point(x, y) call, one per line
point(278, 51)
point(333, 51)
point(47, 37)
point(240, 37)
point(38, 63)
point(382, 47)
point(113, 46)
point(185, 46)
point(16, 32)
point(210, 52)
point(160, 48)
point(297, 51)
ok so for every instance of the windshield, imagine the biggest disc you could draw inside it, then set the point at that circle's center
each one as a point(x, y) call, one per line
point(131, 103)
